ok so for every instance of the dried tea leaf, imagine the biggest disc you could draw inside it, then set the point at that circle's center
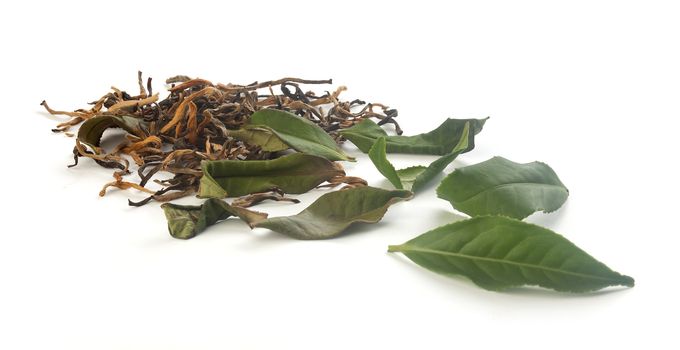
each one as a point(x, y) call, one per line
point(292, 173)
point(414, 178)
point(300, 134)
point(333, 212)
point(439, 141)
point(503, 187)
point(186, 221)
point(92, 129)
point(497, 252)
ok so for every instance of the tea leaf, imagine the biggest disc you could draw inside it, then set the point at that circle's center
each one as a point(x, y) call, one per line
point(333, 212)
point(408, 176)
point(92, 129)
point(299, 133)
point(497, 252)
point(439, 141)
point(414, 178)
point(379, 159)
point(256, 135)
point(292, 173)
point(500, 186)
point(186, 221)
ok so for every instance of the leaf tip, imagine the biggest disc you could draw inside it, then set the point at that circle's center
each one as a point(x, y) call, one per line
point(627, 281)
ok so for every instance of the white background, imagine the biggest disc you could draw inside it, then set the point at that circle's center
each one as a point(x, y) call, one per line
point(589, 87)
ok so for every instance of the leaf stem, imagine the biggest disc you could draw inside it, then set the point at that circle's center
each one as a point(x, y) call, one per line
point(395, 248)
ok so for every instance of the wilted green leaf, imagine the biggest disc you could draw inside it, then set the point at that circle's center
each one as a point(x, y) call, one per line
point(439, 141)
point(92, 129)
point(333, 212)
point(500, 186)
point(498, 252)
point(299, 133)
point(292, 173)
point(414, 178)
point(186, 221)
point(261, 136)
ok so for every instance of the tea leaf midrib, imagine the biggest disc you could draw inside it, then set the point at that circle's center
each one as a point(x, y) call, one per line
point(499, 186)
point(405, 248)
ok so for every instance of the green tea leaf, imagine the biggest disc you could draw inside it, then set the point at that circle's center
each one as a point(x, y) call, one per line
point(500, 186)
point(379, 159)
point(333, 212)
point(186, 221)
point(414, 178)
point(408, 176)
point(261, 136)
point(292, 173)
point(439, 141)
point(299, 133)
point(92, 129)
point(497, 252)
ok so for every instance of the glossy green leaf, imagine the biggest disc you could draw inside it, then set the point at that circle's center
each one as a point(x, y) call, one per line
point(416, 177)
point(292, 173)
point(500, 186)
point(92, 129)
point(497, 252)
point(260, 136)
point(186, 221)
point(299, 133)
point(333, 212)
point(439, 141)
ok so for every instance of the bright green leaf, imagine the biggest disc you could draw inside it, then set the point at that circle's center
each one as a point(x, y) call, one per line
point(333, 212)
point(498, 252)
point(439, 141)
point(292, 173)
point(186, 221)
point(500, 186)
point(299, 133)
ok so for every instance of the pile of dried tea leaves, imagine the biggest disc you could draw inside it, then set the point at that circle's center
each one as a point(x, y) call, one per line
point(264, 141)
point(202, 121)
